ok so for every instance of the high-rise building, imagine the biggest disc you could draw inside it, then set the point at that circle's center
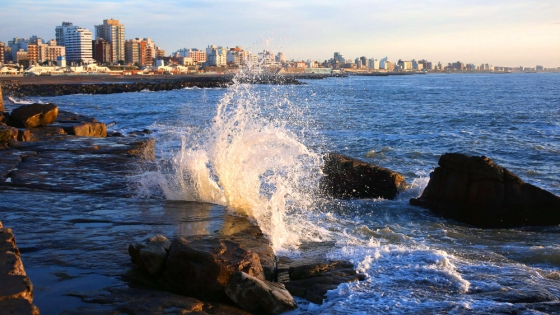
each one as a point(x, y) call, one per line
point(196, 54)
point(2, 52)
point(102, 51)
point(112, 31)
point(236, 56)
point(373, 64)
point(61, 31)
point(77, 41)
point(50, 51)
point(216, 56)
point(141, 51)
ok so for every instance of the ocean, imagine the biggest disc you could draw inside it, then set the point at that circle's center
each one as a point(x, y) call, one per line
point(256, 149)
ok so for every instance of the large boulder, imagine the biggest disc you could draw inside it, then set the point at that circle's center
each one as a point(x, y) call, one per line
point(312, 281)
point(202, 267)
point(346, 177)
point(34, 115)
point(256, 295)
point(151, 254)
point(477, 191)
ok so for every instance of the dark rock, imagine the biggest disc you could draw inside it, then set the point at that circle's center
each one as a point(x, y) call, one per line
point(312, 281)
point(202, 267)
point(34, 115)
point(18, 307)
point(346, 177)
point(151, 255)
point(7, 133)
point(24, 135)
point(256, 295)
point(519, 295)
point(477, 191)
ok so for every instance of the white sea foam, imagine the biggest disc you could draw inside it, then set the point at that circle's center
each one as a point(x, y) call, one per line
point(250, 162)
point(22, 101)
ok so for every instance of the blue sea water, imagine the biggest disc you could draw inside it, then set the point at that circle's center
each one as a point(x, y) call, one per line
point(256, 150)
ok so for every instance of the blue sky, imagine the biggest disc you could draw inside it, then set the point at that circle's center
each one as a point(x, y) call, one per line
point(499, 32)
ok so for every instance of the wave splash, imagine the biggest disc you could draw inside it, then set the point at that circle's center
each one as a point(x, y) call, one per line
point(249, 160)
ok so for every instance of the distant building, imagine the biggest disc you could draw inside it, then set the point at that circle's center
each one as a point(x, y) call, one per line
point(280, 57)
point(338, 57)
point(373, 64)
point(160, 53)
point(216, 56)
point(61, 61)
point(383, 63)
point(77, 41)
point(139, 51)
point(2, 52)
point(537, 68)
point(102, 51)
point(60, 32)
point(363, 60)
point(197, 55)
point(112, 31)
point(236, 56)
point(21, 55)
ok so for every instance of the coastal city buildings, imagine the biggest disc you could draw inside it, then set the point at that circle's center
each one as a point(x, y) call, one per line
point(2, 52)
point(216, 56)
point(76, 40)
point(112, 31)
point(102, 51)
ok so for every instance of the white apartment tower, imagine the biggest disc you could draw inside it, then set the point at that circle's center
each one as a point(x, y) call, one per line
point(111, 30)
point(77, 41)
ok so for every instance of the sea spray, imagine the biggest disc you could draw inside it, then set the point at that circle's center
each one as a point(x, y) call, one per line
point(250, 160)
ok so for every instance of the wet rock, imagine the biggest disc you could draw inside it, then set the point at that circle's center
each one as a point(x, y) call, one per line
point(24, 135)
point(151, 255)
point(519, 295)
point(34, 115)
point(477, 191)
point(88, 129)
point(312, 281)
point(202, 267)
point(18, 307)
point(46, 132)
point(15, 287)
point(256, 295)
point(545, 307)
point(345, 177)
point(7, 133)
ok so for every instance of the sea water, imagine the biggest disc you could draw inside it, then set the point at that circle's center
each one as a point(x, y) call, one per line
point(256, 149)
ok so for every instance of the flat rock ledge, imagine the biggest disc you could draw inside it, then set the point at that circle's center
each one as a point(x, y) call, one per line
point(346, 177)
point(16, 290)
point(476, 191)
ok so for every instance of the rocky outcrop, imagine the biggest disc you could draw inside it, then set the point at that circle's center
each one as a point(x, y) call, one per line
point(7, 133)
point(88, 129)
point(34, 115)
point(312, 281)
point(257, 295)
point(202, 267)
point(345, 177)
point(16, 290)
point(151, 255)
point(477, 191)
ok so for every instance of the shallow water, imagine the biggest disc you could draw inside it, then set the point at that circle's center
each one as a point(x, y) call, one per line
point(415, 261)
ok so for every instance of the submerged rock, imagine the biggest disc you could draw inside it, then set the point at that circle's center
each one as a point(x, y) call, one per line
point(34, 115)
point(477, 191)
point(151, 255)
point(346, 177)
point(312, 281)
point(202, 267)
point(257, 295)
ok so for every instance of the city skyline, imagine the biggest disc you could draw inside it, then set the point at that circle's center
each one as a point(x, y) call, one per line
point(504, 33)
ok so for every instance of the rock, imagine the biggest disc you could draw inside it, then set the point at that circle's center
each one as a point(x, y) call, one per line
point(34, 115)
point(1, 100)
point(477, 191)
point(312, 281)
point(519, 295)
point(15, 287)
point(45, 132)
point(18, 307)
point(7, 133)
point(24, 135)
point(202, 267)
point(257, 295)
point(346, 177)
point(88, 129)
point(151, 255)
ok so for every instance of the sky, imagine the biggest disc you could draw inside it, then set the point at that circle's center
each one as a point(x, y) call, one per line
point(498, 32)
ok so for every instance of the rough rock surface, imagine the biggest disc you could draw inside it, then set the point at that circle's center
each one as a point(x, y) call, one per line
point(33, 115)
point(202, 267)
point(89, 129)
point(16, 290)
point(312, 281)
point(477, 191)
point(151, 255)
point(7, 133)
point(256, 295)
point(346, 177)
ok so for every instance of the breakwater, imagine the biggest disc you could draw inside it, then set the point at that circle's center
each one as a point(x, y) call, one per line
point(16, 89)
